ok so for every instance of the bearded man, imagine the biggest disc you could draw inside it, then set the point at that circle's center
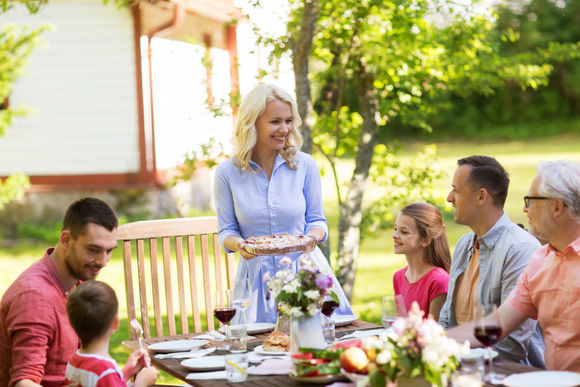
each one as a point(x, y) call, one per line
point(36, 339)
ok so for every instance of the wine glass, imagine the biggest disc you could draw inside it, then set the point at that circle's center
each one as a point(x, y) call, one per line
point(242, 295)
point(329, 305)
point(488, 331)
point(393, 307)
point(224, 311)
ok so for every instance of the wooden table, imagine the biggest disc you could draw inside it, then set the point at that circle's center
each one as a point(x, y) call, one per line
point(173, 366)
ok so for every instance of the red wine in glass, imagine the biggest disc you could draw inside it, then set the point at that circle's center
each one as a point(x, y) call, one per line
point(487, 334)
point(225, 315)
point(487, 329)
point(328, 307)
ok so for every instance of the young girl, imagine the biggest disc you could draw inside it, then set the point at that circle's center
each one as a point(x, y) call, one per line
point(420, 235)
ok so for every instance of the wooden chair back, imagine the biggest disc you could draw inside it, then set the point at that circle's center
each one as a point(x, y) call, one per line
point(185, 244)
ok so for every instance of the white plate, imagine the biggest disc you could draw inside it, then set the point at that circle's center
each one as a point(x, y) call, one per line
point(477, 352)
point(254, 328)
point(177, 345)
point(543, 379)
point(340, 320)
point(207, 363)
point(259, 349)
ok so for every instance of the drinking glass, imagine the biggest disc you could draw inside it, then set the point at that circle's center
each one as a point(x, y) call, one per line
point(242, 295)
point(236, 367)
point(488, 331)
point(238, 338)
point(224, 311)
point(393, 307)
point(329, 305)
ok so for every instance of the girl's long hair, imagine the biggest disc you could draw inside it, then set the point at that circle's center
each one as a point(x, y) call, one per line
point(430, 225)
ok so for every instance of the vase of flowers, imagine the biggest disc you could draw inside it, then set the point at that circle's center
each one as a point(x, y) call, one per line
point(300, 295)
point(306, 332)
point(415, 351)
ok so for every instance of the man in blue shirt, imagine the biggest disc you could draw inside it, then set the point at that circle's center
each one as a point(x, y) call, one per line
point(487, 262)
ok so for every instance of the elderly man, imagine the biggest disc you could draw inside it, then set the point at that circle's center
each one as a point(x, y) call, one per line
point(549, 288)
point(36, 339)
point(486, 262)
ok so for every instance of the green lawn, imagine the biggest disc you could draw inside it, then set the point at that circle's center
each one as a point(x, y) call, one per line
point(377, 262)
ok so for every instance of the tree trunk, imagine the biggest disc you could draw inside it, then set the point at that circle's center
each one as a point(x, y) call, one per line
point(350, 211)
point(301, 55)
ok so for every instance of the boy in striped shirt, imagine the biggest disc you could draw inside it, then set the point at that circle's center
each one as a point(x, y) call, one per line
point(92, 309)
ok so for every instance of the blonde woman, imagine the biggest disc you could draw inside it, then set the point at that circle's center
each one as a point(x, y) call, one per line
point(269, 187)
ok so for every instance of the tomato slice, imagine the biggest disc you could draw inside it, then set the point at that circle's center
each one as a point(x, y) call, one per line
point(302, 355)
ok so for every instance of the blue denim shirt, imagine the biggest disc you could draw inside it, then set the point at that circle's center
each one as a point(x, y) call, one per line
point(504, 252)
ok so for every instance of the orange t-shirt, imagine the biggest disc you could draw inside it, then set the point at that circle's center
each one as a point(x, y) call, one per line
point(548, 290)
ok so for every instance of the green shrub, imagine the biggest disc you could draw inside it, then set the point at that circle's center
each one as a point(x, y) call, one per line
point(48, 233)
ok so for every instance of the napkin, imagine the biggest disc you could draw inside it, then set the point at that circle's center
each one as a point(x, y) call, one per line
point(361, 334)
point(184, 355)
point(206, 375)
point(212, 335)
point(273, 366)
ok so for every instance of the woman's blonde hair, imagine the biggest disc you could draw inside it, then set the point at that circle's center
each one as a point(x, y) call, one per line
point(245, 134)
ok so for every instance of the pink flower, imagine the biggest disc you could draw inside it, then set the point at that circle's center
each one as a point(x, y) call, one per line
point(324, 281)
point(399, 326)
point(285, 261)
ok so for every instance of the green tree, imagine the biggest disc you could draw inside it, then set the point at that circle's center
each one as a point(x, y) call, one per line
point(526, 26)
point(377, 61)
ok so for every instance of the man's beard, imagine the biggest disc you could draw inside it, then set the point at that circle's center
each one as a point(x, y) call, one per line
point(78, 273)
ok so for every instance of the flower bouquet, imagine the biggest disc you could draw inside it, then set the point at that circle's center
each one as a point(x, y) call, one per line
point(301, 293)
point(300, 296)
point(414, 348)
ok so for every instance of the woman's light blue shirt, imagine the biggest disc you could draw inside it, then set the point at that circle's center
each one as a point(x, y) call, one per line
point(249, 204)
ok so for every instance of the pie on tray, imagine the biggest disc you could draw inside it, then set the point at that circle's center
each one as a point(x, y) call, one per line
point(278, 244)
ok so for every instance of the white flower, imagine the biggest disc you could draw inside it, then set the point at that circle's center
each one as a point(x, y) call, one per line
point(312, 309)
point(295, 311)
point(275, 287)
point(291, 287)
point(383, 357)
point(369, 342)
point(312, 294)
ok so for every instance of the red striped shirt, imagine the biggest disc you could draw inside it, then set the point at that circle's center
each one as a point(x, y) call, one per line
point(92, 370)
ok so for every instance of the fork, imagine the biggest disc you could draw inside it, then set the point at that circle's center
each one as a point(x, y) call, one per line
point(139, 330)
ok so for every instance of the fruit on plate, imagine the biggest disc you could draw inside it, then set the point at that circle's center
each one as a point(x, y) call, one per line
point(354, 360)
